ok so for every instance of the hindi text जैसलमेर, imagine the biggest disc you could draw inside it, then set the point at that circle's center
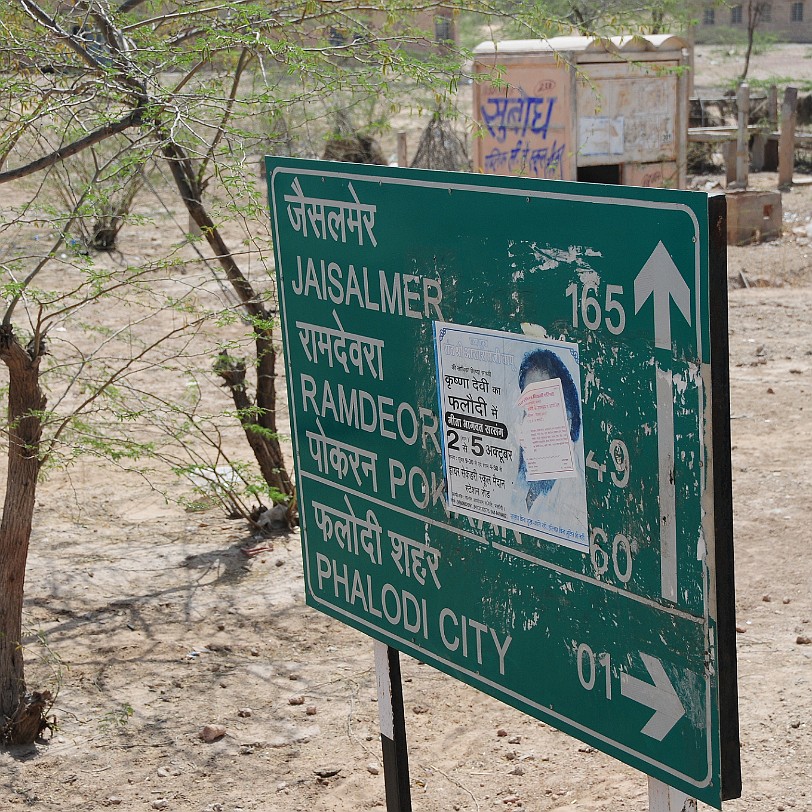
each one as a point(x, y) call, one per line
point(331, 218)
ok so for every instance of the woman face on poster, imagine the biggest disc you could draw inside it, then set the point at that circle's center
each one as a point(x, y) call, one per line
point(537, 368)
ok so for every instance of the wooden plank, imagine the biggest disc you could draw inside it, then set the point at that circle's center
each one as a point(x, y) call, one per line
point(772, 106)
point(703, 135)
point(742, 136)
point(786, 143)
point(729, 155)
point(759, 143)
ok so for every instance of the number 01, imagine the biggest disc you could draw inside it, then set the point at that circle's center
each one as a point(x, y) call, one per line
point(587, 668)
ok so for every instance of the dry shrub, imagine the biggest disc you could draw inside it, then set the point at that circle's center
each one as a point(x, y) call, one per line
point(441, 148)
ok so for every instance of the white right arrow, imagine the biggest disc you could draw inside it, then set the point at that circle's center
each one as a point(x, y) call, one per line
point(661, 280)
point(660, 697)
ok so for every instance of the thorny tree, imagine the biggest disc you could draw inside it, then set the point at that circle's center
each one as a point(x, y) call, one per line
point(180, 84)
point(201, 89)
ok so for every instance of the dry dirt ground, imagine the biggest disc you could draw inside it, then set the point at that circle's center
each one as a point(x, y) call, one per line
point(156, 624)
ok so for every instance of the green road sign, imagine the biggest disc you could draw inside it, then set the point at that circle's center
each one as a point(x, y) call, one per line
point(509, 418)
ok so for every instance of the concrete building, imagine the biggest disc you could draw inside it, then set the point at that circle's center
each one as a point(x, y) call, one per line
point(786, 20)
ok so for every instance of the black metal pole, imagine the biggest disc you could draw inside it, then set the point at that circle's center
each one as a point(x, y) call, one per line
point(393, 729)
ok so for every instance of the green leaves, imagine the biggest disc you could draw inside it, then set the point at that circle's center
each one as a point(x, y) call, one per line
point(106, 111)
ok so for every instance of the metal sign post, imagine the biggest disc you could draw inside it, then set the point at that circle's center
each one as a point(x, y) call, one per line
point(393, 729)
point(662, 798)
point(509, 413)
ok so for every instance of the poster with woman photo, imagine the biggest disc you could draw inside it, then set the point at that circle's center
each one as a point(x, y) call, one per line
point(512, 422)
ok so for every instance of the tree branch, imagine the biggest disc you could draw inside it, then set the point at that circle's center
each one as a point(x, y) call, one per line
point(133, 119)
point(39, 15)
point(129, 5)
point(189, 189)
point(245, 59)
point(101, 388)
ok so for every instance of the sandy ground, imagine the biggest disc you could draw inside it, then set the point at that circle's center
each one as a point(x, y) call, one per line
point(718, 65)
point(155, 623)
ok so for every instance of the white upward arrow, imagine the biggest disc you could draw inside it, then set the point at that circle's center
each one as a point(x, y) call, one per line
point(660, 697)
point(661, 280)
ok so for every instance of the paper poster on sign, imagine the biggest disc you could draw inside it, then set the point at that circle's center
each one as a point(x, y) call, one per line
point(544, 433)
point(513, 445)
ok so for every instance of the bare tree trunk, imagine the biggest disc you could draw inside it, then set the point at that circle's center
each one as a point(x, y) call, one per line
point(20, 715)
point(266, 410)
point(755, 12)
point(747, 54)
point(258, 418)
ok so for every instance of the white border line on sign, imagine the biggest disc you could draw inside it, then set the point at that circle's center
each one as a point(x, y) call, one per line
point(707, 530)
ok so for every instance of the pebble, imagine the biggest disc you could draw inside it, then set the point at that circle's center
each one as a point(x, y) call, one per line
point(515, 740)
point(803, 640)
point(501, 732)
point(740, 629)
point(114, 800)
point(766, 598)
point(311, 710)
point(517, 770)
point(420, 709)
point(210, 733)
point(373, 769)
point(296, 700)
point(160, 803)
point(786, 600)
point(245, 713)
point(163, 772)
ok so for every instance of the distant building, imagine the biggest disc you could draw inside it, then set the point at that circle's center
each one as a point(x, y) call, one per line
point(435, 28)
point(786, 20)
